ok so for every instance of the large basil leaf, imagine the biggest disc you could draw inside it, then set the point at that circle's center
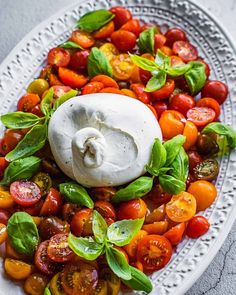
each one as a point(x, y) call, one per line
point(99, 227)
point(173, 147)
point(46, 102)
point(19, 120)
point(146, 40)
point(136, 189)
point(162, 60)
point(23, 233)
point(68, 95)
point(156, 82)
point(195, 76)
point(98, 63)
point(144, 63)
point(20, 169)
point(33, 141)
point(158, 158)
point(180, 166)
point(122, 232)
point(75, 193)
point(171, 185)
point(70, 45)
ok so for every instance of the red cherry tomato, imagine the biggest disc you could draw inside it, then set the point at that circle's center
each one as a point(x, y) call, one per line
point(194, 159)
point(106, 210)
point(37, 111)
point(159, 41)
point(25, 193)
point(32, 210)
point(210, 103)
point(165, 91)
point(27, 102)
point(123, 40)
point(10, 140)
point(201, 116)
point(182, 102)
point(138, 89)
point(154, 252)
point(51, 226)
point(79, 60)
point(52, 204)
point(54, 80)
point(106, 81)
point(71, 78)
point(186, 51)
point(215, 89)
point(105, 31)
point(132, 209)
point(173, 35)
point(60, 90)
point(84, 39)
point(59, 57)
point(197, 226)
point(92, 87)
point(160, 107)
point(4, 216)
point(207, 68)
point(3, 166)
point(175, 234)
point(133, 26)
point(81, 223)
point(58, 249)
point(158, 197)
point(122, 16)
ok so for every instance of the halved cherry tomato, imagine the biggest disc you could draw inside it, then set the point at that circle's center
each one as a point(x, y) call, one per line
point(197, 226)
point(56, 285)
point(128, 92)
point(52, 204)
point(186, 51)
point(157, 214)
point(103, 193)
point(137, 264)
point(45, 72)
point(131, 248)
point(132, 209)
point(111, 90)
point(43, 181)
point(37, 111)
point(101, 288)
point(59, 57)
point(92, 87)
point(81, 223)
point(122, 16)
point(194, 159)
point(107, 211)
point(109, 50)
point(105, 80)
point(122, 66)
point(71, 78)
point(135, 77)
point(60, 90)
point(176, 61)
point(51, 226)
point(3, 165)
point(215, 89)
point(105, 31)
point(4, 216)
point(201, 116)
point(138, 89)
point(133, 26)
point(182, 102)
point(166, 50)
point(171, 123)
point(191, 134)
point(153, 110)
point(34, 209)
point(6, 200)
point(159, 41)
point(79, 60)
point(160, 107)
point(175, 234)
point(37, 220)
point(27, 102)
point(82, 38)
point(69, 210)
point(173, 35)
point(10, 140)
point(154, 252)
point(25, 193)
point(165, 91)
point(35, 284)
point(123, 40)
point(3, 233)
point(113, 282)
point(211, 103)
point(54, 80)
point(157, 228)
point(17, 269)
point(181, 207)
point(145, 75)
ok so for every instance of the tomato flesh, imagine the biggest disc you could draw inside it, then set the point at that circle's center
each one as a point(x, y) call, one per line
point(58, 249)
point(185, 51)
point(201, 116)
point(58, 57)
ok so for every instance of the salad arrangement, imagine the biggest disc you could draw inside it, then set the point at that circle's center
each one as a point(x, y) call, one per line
point(61, 238)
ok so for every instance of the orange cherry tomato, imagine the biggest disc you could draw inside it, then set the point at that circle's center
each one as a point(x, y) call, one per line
point(201, 116)
point(191, 134)
point(175, 234)
point(82, 38)
point(204, 192)
point(54, 80)
point(186, 51)
point(107, 211)
point(135, 77)
point(111, 90)
point(166, 50)
point(35, 284)
point(133, 26)
point(153, 110)
point(176, 61)
point(132, 209)
point(10, 140)
point(122, 66)
point(123, 40)
point(27, 102)
point(182, 102)
point(17, 269)
point(71, 78)
point(3, 233)
point(105, 80)
point(105, 31)
point(59, 57)
point(128, 92)
point(92, 87)
point(122, 15)
point(165, 91)
point(157, 228)
point(157, 214)
point(138, 89)
point(109, 50)
point(81, 223)
point(210, 103)
point(197, 226)
point(6, 200)
point(171, 123)
point(131, 248)
point(52, 204)
point(181, 207)
point(159, 41)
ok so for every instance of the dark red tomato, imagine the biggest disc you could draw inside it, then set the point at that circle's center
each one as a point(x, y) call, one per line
point(10, 140)
point(84, 39)
point(27, 102)
point(210, 103)
point(173, 35)
point(60, 90)
point(3, 165)
point(207, 68)
point(154, 252)
point(165, 91)
point(32, 210)
point(4, 216)
point(81, 223)
point(79, 60)
point(123, 40)
point(186, 51)
point(103, 193)
point(159, 41)
point(145, 76)
point(36, 110)
point(215, 89)
point(197, 226)
point(59, 57)
point(71, 78)
point(201, 116)
point(43, 262)
point(160, 107)
point(194, 159)
point(175, 234)
point(52, 204)
point(25, 193)
point(58, 249)
point(51, 226)
point(132, 209)
point(45, 72)
point(107, 211)
point(182, 102)
point(122, 16)
point(158, 196)
point(133, 26)
point(92, 87)
point(69, 210)
point(138, 89)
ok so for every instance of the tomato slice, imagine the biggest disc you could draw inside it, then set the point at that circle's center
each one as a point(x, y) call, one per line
point(154, 252)
point(201, 116)
point(27, 102)
point(52, 204)
point(131, 248)
point(122, 66)
point(101, 288)
point(109, 50)
point(210, 103)
point(82, 38)
point(186, 51)
point(175, 234)
point(165, 91)
point(56, 286)
point(58, 57)
point(105, 31)
point(25, 193)
point(113, 282)
point(72, 78)
point(158, 228)
point(58, 249)
point(106, 81)
point(43, 181)
point(36, 283)
point(107, 210)
point(17, 269)
point(111, 90)
point(92, 87)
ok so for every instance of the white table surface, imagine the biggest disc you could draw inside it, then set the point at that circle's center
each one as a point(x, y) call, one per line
point(18, 17)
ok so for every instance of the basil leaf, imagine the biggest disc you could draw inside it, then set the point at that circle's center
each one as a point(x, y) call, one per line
point(156, 82)
point(118, 263)
point(146, 40)
point(68, 95)
point(99, 227)
point(122, 232)
point(47, 291)
point(20, 169)
point(179, 70)
point(139, 281)
point(172, 148)
point(98, 63)
point(162, 60)
point(195, 76)
point(136, 189)
point(23, 233)
point(85, 247)
point(144, 63)
point(171, 185)
point(94, 20)
point(222, 129)
point(33, 141)
point(180, 166)
point(70, 44)
point(19, 120)
point(46, 102)
point(158, 158)
point(76, 194)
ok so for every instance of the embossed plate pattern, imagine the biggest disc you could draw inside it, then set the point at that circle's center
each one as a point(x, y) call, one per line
point(24, 64)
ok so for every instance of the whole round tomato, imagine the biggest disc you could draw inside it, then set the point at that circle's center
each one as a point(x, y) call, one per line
point(122, 16)
point(215, 89)
point(133, 26)
point(79, 60)
point(173, 35)
point(191, 135)
point(197, 226)
point(36, 283)
point(159, 41)
point(59, 57)
point(52, 204)
point(171, 123)
point(107, 211)
point(186, 51)
point(123, 40)
point(51, 226)
point(38, 86)
point(27, 102)
point(82, 38)
point(182, 102)
point(210, 103)
point(132, 209)
point(165, 91)
point(201, 116)
point(9, 142)
point(81, 223)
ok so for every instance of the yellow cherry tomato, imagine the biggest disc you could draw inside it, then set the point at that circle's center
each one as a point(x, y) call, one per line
point(101, 288)
point(6, 200)
point(109, 50)
point(122, 66)
point(35, 284)
point(113, 282)
point(17, 269)
point(3, 233)
point(55, 285)
point(129, 93)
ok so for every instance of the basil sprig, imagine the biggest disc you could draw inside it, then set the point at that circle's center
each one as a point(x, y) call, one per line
point(98, 63)
point(18, 120)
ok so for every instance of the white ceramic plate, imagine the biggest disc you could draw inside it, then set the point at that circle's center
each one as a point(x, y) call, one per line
point(24, 64)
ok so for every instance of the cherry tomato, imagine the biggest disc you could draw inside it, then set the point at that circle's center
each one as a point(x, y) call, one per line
point(186, 51)
point(3, 233)
point(27, 102)
point(69, 210)
point(157, 228)
point(147, 26)
point(206, 170)
point(123, 40)
point(56, 285)
point(107, 211)
point(37, 111)
point(165, 91)
point(59, 57)
point(17, 269)
point(182, 102)
point(51, 226)
point(215, 89)
point(11, 252)
point(138, 89)
point(135, 77)
point(128, 92)
point(207, 145)
point(171, 123)
point(82, 38)
point(210, 103)
point(43, 181)
point(181, 207)
point(131, 248)
point(154, 252)
point(132, 209)
point(32, 210)
point(111, 90)
point(79, 60)
point(197, 226)
point(4, 216)
point(92, 87)
point(10, 140)
point(122, 66)
point(103, 193)
point(201, 116)
point(71, 78)
point(160, 107)
point(207, 68)
point(153, 110)
point(176, 61)
point(52, 204)
point(101, 288)
point(158, 196)
point(145, 75)
point(6, 200)
point(166, 50)
point(3, 165)
point(157, 214)
point(45, 72)
point(105, 31)
point(35, 284)
point(173, 35)
point(113, 282)
point(175, 234)
point(133, 26)
point(159, 41)
point(38, 86)
point(37, 220)
point(122, 16)
point(54, 80)
point(109, 50)
point(194, 159)
point(191, 134)
point(50, 166)
point(81, 223)
point(105, 80)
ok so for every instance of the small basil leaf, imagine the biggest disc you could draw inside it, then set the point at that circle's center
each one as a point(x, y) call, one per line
point(19, 120)
point(23, 233)
point(178, 70)
point(122, 232)
point(171, 185)
point(33, 141)
point(162, 60)
point(180, 166)
point(85, 247)
point(47, 291)
point(144, 63)
point(146, 40)
point(98, 63)
point(139, 281)
point(20, 169)
point(46, 102)
point(94, 20)
point(164, 170)
point(158, 158)
point(136, 189)
point(118, 263)
point(195, 76)
point(70, 44)
point(76, 194)
point(172, 148)
point(99, 227)
point(156, 82)
point(68, 95)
